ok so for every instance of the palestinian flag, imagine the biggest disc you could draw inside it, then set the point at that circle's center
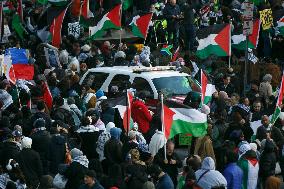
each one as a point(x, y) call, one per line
point(86, 14)
point(239, 40)
point(55, 29)
point(207, 90)
point(140, 25)
point(279, 101)
point(280, 26)
point(127, 120)
point(183, 120)
point(166, 50)
point(215, 40)
point(250, 169)
point(111, 20)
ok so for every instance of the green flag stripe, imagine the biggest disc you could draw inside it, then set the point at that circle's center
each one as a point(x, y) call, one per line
point(180, 126)
point(209, 50)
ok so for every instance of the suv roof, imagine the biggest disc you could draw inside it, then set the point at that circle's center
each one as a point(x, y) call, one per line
point(135, 71)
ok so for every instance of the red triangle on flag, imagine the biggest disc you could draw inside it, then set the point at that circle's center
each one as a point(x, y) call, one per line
point(168, 120)
point(55, 29)
point(143, 23)
point(253, 38)
point(127, 113)
point(204, 82)
point(115, 15)
point(223, 39)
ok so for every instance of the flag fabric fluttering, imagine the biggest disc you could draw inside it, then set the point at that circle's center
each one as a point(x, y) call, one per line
point(18, 27)
point(140, 25)
point(21, 69)
point(239, 39)
point(176, 54)
point(111, 20)
point(215, 40)
point(127, 120)
point(55, 29)
point(279, 102)
point(280, 26)
point(166, 50)
point(20, 10)
point(47, 97)
point(86, 14)
point(207, 89)
point(183, 120)
point(7, 69)
point(203, 85)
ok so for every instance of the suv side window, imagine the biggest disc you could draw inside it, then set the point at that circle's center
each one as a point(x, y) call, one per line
point(142, 85)
point(95, 79)
point(121, 81)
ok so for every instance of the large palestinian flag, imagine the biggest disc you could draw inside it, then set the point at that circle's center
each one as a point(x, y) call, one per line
point(214, 40)
point(140, 25)
point(279, 101)
point(183, 120)
point(111, 20)
point(239, 39)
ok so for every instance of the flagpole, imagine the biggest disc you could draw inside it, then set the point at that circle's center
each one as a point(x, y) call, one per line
point(163, 125)
point(80, 12)
point(246, 62)
point(120, 33)
point(230, 45)
point(202, 96)
point(127, 112)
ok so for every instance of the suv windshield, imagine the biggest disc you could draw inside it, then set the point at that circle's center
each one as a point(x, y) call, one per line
point(175, 85)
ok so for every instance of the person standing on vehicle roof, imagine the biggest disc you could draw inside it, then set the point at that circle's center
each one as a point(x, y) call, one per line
point(141, 114)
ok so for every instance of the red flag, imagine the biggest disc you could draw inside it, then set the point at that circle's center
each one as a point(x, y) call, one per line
point(127, 114)
point(47, 96)
point(203, 85)
point(20, 9)
point(175, 55)
point(55, 29)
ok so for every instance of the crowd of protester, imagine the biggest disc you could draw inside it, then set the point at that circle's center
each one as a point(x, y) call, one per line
point(79, 142)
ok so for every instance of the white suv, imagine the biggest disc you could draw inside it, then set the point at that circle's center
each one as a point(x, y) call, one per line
point(150, 80)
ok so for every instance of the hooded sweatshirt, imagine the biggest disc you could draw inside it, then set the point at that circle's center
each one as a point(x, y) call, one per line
point(211, 178)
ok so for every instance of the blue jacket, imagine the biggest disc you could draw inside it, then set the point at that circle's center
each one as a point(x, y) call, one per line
point(165, 182)
point(234, 176)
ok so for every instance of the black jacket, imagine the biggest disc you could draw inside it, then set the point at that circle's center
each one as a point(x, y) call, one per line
point(276, 135)
point(89, 143)
point(113, 151)
point(29, 161)
point(8, 150)
point(170, 169)
point(56, 152)
point(170, 11)
point(75, 175)
point(268, 160)
point(229, 89)
point(41, 141)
